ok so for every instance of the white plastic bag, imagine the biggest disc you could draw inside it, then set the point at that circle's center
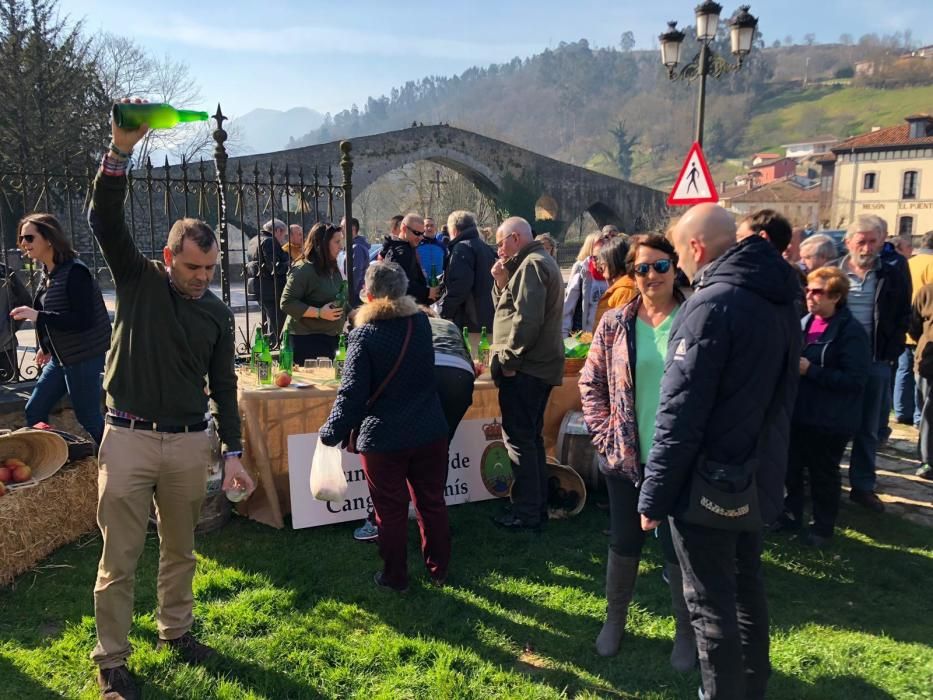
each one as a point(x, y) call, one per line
point(328, 482)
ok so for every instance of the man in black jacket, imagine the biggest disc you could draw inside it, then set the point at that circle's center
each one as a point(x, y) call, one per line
point(467, 299)
point(266, 271)
point(879, 298)
point(726, 397)
point(402, 251)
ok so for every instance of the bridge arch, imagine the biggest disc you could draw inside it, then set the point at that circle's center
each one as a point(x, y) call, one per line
point(481, 175)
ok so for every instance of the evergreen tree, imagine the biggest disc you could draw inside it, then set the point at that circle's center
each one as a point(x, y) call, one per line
point(623, 153)
point(53, 103)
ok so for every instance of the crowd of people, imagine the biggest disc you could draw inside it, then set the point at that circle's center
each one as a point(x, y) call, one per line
point(730, 366)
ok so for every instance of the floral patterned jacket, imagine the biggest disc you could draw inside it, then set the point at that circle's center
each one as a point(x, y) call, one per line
point(607, 390)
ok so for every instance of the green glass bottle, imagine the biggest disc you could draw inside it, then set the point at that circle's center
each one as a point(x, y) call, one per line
point(156, 115)
point(342, 296)
point(340, 357)
point(467, 343)
point(256, 349)
point(483, 348)
point(432, 280)
point(286, 354)
point(264, 363)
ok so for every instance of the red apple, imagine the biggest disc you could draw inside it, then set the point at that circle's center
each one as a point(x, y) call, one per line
point(283, 379)
point(6, 475)
point(21, 474)
point(13, 462)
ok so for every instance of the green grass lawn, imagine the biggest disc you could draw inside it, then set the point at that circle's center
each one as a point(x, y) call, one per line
point(294, 614)
point(800, 114)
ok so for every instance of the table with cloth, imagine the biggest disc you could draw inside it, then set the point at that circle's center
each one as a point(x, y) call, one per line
point(271, 414)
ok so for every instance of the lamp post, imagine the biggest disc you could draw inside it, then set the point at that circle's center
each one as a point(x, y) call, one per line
point(707, 61)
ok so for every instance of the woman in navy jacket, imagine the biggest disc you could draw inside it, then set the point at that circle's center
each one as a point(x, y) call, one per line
point(402, 436)
point(833, 370)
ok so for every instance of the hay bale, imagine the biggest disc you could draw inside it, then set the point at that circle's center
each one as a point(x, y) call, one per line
point(36, 521)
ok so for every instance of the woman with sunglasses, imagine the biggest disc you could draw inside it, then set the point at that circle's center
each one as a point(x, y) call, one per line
point(620, 387)
point(834, 368)
point(72, 326)
point(315, 320)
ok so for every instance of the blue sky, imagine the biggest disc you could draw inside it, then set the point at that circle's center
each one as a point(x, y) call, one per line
point(328, 55)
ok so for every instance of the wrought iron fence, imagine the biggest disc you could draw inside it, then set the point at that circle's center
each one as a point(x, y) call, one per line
point(236, 203)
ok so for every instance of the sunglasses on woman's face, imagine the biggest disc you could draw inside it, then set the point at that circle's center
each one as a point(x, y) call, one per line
point(813, 292)
point(27, 238)
point(660, 266)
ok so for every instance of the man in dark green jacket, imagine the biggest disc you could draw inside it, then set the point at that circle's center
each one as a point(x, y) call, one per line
point(527, 362)
point(171, 356)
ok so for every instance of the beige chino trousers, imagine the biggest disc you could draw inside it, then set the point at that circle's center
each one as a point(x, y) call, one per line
point(134, 466)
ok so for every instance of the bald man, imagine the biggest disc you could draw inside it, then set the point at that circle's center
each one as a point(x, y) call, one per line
point(402, 250)
point(721, 440)
point(527, 362)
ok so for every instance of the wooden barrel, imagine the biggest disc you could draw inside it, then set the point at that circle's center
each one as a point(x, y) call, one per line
point(575, 448)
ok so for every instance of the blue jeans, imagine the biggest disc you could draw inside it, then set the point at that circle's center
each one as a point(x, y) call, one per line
point(82, 381)
point(907, 401)
point(865, 442)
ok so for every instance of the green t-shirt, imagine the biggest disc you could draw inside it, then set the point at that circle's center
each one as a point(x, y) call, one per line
point(650, 351)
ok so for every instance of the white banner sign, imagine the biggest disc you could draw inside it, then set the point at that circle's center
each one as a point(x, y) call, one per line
point(479, 469)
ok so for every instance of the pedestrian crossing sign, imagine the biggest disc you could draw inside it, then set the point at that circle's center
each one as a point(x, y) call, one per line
point(694, 184)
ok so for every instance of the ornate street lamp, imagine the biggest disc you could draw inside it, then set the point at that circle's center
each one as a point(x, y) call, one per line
point(742, 30)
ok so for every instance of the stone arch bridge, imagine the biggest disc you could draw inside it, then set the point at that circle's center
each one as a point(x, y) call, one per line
point(498, 169)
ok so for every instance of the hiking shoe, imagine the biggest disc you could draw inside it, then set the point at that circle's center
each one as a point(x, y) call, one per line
point(189, 648)
point(867, 499)
point(509, 521)
point(367, 532)
point(117, 684)
point(380, 581)
point(924, 472)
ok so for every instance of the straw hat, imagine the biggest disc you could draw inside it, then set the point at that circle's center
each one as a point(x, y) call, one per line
point(44, 452)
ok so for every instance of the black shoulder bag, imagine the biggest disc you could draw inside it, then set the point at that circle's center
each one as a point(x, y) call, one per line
point(355, 432)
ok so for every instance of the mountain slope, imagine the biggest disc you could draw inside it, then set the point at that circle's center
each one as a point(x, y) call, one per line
point(264, 130)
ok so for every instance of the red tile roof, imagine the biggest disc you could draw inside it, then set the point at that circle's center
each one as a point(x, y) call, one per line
point(883, 138)
point(780, 191)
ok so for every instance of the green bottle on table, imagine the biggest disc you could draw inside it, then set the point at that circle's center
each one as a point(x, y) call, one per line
point(128, 115)
point(340, 357)
point(467, 343)
point(256, 349)
point(286, 354)
point(264, 363)
point(483, 348)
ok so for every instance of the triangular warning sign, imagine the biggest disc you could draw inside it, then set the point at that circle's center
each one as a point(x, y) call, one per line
point(694, 184)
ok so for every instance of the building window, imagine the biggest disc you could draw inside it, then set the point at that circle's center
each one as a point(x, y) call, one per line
point(909, 190)
point(905, 227)
point(870, 182)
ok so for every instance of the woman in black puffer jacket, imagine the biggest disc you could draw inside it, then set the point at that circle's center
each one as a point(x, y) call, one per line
point(402, 438)
point(72, 326)
point(833, 371)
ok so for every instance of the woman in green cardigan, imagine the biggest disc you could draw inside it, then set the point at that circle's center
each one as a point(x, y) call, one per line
point(315, 320)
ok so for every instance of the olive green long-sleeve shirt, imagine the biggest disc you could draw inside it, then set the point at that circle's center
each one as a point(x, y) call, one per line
point(169, 354)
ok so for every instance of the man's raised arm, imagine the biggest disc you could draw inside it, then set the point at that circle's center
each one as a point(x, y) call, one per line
point(105, 215)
